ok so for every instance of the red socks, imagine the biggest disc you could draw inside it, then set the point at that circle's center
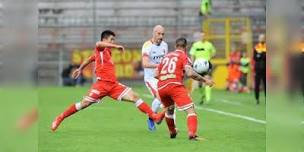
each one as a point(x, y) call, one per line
point(192, 124)
point(71, 110)
point(143, 107)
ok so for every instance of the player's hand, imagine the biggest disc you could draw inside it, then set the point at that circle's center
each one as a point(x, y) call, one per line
point(209, 82)
point(121, 48)
point(76, 73)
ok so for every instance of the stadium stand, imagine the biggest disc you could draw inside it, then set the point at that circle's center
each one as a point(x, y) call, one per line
point(64, 27)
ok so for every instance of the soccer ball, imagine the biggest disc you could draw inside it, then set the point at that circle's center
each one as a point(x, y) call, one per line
point(201, 66)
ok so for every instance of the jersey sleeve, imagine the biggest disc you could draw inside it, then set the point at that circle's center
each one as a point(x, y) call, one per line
point(145, 49)
point(186, 61)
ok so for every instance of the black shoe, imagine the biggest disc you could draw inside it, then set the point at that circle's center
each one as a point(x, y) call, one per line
point(202, 100)
point(195, 138)
point(257, 102)
point(173, 135)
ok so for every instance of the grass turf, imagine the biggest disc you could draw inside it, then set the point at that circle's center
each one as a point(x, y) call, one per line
point(120, 127)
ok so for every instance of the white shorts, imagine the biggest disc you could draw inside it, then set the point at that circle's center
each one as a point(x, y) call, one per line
point(152, 85)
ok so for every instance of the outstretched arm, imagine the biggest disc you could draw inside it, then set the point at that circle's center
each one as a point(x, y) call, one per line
point(192, 74)
point(102, 44)
point(78, 71)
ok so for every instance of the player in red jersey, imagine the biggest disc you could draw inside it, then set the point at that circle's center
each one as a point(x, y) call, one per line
point(106, 84)
point(172, 91)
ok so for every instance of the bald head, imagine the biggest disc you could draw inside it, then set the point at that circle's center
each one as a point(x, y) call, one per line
point(158, 28)
point(158, 34)
point(262, 38)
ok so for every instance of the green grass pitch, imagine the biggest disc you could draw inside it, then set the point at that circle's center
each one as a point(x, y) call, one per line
point(112, 126)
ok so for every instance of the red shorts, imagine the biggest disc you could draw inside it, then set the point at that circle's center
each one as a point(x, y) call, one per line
point(101, 89)
point(177, 94)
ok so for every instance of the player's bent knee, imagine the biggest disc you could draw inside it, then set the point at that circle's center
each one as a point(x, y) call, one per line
point(131, 96)
point(190, 110)
point(170, 110)
point(85, 103)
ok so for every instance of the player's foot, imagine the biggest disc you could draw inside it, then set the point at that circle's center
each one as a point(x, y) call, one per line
point(158, 118)
point(202, 100)
point(151, 125)
point(56, 122)
point(173, 135)
point(257, 102)
point(195, 138)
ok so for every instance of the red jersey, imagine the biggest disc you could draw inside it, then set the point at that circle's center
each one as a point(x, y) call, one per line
point(171, 68)
point(104, 67)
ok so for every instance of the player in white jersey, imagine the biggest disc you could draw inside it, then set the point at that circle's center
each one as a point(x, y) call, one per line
point(153, 51)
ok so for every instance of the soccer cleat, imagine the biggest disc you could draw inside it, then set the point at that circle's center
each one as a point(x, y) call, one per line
point(173, 135)
point(195, 138)
point(202, 100)
point(151, 125)
point(56, 123)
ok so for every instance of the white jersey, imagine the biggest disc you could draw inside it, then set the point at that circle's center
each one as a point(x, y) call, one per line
point(155, 54)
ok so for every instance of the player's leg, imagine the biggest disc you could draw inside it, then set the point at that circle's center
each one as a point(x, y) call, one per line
point(169, 117)
point(184, 103)
point(72, 109)
point(142, 106)
point(123, 93)
point(168, 103)
point(152, 86)
point(257, 80)
point(95, 93)
point(202, 92)
point(192, 123)
point(264, 83)
point(207, 93)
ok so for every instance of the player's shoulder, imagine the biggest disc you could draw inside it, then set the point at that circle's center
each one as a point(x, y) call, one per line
point(209, 43)
point(164, 43)
point(147, 44)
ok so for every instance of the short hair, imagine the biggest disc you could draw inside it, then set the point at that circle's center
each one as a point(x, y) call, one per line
point(105, 34)
point(181, 42)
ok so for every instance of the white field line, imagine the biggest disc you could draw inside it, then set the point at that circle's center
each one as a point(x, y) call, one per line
point(233, 115)
point(230, 102)
point(226, 113)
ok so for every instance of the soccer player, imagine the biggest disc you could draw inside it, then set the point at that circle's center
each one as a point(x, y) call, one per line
point(106, 84)
point(259, 57)
point(203, 49)
point(172, 90)
point(153, 51)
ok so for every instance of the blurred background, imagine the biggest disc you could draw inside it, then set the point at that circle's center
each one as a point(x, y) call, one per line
point(69, 29)
point(43, 41)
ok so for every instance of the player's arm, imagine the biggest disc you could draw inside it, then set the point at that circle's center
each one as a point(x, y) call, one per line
point(156, 73)
point(102, 44)
point(78, 71)
point(213, 50)
point(192, 74)
point(146, 62)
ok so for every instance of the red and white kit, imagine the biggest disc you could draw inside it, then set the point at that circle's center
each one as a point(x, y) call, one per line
point(170, 84)
point(106, 84)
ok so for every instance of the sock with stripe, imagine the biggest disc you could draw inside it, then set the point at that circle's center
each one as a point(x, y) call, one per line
point(192, 124)
point(71, 110)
